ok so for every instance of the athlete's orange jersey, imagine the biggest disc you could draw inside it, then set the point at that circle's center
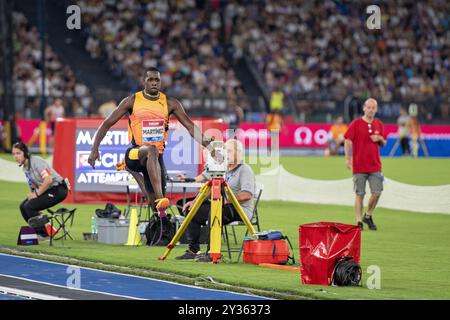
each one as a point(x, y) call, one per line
point(149, 122)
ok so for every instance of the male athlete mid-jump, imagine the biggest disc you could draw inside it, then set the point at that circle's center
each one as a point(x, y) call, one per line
point(148, 124)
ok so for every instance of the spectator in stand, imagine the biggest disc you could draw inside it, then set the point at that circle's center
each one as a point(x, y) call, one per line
point(52, 113)
point(106, 108)
point(410, 57)
point(404, 131)
point(2, 138)
point(60, 82)
point(276, 100)
point(337, 139)
point(180, 37)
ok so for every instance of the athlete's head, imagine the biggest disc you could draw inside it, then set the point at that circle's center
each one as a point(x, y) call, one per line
point(152, 81)
point(339, 120)
point(20, 152)
point(370, 107)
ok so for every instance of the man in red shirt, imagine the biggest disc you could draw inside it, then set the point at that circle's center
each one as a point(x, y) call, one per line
point(364, 136)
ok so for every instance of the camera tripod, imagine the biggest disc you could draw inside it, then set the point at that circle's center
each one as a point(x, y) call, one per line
point(215, 185)
point(416, 136)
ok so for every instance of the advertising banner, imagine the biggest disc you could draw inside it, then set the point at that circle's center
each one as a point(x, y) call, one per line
point(73, 143)
point(316, 136)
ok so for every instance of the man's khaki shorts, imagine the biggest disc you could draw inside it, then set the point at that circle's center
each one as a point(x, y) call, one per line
point(375, 182)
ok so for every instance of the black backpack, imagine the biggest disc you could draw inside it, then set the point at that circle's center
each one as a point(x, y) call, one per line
point(160, 231)
point(110, 212)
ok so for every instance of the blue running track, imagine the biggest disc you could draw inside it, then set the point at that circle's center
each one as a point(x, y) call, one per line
point(44, 273)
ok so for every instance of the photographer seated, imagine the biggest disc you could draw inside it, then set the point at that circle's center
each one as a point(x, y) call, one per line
point(47, 188)
point(241, 181)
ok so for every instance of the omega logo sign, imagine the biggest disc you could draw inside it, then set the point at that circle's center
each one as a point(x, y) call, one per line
point(305, 136)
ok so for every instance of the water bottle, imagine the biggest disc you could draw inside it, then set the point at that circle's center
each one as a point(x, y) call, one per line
point(93, 225)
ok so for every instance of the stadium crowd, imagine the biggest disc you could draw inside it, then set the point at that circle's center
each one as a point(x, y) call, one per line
point(307, 50)
point(310, 49)
point(60, 81)
point(182, 39)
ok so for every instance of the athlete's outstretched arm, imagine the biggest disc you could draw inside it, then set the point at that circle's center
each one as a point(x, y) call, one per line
point(111, 120)
point(178, 110)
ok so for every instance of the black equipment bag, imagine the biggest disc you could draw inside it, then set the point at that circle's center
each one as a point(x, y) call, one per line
point(160, 231)
point(110, 212)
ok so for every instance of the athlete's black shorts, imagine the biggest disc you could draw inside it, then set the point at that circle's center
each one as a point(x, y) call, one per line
point(135, 165)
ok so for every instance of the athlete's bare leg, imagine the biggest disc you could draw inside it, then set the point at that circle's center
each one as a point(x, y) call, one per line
point(150, 196)
point(151, 201)
point(148, 156)
point(140, 181)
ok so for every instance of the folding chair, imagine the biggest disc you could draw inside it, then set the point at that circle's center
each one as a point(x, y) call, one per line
point(254, 220)
point(62, 220)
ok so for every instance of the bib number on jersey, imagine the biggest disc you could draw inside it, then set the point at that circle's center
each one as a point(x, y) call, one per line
point(152, 130)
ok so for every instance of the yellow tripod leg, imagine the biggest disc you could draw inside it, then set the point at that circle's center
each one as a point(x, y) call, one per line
point(203, 193)
point(238, 208)
point(215, 239)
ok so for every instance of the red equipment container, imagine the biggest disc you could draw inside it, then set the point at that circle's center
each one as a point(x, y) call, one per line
point(321, 244)
point(266, 251)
